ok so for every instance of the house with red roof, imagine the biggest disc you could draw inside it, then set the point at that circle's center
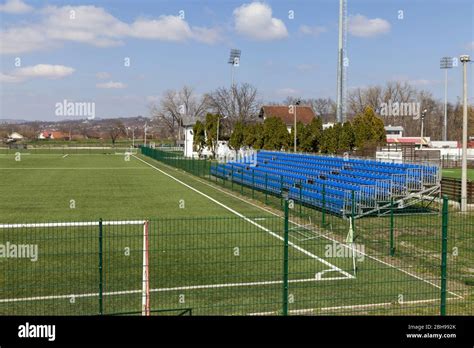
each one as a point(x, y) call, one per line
point(304, 114)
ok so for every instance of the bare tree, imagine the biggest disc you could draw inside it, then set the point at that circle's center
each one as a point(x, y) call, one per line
point(238, 103)
point(176, 107)
point(115, 131)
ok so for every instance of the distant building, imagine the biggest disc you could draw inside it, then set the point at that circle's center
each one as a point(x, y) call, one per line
point(44, 135)
point(304, 114)
point(53, 135)
point(328, 125)
point(409, 140)
point(15, 136)
point(394, 131)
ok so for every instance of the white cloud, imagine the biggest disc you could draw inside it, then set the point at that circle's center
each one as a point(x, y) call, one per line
point(207, 35)
point(167, 28)
point(314, 31)
point(470, 46)
point(9, 78)
point(111, 85)
point(95, 26)
point(362, 26)
point(255, 21)
point(102, 75)
point(15, 7)
point(23, 39)
point(47, 71)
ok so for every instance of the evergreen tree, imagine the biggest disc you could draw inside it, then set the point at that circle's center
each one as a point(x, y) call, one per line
point(346, 140)
point(199, 138)
point(236, 140)
point(275, 134)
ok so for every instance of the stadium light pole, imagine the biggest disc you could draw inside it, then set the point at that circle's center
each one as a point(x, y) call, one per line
point(133, 135)
point(464, 60)
point(298, 102)
point(446, 63)
point(423, 114)
point(145, 128)
point(234, 60)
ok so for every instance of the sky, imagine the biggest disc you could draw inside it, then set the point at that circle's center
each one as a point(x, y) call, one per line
point(123, 55)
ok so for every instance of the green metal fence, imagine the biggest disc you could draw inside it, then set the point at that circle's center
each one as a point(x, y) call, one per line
point(288, 264)
point(403, 249)
point(198, 167)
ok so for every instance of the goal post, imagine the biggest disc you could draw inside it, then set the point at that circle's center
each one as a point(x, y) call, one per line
point(60, 262)
point(146, 273)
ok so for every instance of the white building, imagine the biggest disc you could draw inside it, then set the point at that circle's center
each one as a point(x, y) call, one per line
point(15, 136)
point(394, 132)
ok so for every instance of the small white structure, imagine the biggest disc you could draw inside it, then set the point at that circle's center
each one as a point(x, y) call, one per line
point(394, 132)
point(390, 156)
point(188, 141)
point(328, 125)
point(443, 144)
point(15, 136)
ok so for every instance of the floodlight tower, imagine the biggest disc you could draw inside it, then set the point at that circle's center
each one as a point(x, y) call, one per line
point(341, 52)
point(464, 60)
point(446, 63)
point(234, 60)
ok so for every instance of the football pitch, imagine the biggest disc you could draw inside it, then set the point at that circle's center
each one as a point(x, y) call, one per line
point(211, 252)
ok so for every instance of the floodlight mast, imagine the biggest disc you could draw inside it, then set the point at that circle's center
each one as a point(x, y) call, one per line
point(464, 60)
point(446, 63)
point(234, 60)
point(340, 93)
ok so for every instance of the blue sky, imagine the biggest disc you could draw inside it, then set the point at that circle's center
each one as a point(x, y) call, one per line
point(82, 58)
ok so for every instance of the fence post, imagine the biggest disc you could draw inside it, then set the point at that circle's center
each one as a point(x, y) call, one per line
point(232, 177)
point(324, 206)
point(392, 240)
point(253, 183)
point(101, 278)
point(285, 260)
point(281, 190)
point(301, 196)
point(444, 255)
point(353, 211)
point(266, 188)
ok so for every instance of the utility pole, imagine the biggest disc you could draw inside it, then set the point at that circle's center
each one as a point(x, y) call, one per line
point(464, 60)
point(298, 102)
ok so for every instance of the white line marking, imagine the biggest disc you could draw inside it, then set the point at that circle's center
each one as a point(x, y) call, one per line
point(251, 221)
point(322, 235)
point(368, 305)
point(73, 224)
point(178, 288)
point(65, 155)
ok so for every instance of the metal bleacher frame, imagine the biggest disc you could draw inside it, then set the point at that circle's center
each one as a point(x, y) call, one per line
point(345, 186)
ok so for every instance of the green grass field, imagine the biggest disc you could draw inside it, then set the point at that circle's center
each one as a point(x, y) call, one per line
point(456, 173)
point(209, 250)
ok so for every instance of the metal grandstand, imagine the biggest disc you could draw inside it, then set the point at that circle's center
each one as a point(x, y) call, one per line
point(341, 185)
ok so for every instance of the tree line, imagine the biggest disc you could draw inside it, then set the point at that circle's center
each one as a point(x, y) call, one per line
point(364, 131)
point(241, 103)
